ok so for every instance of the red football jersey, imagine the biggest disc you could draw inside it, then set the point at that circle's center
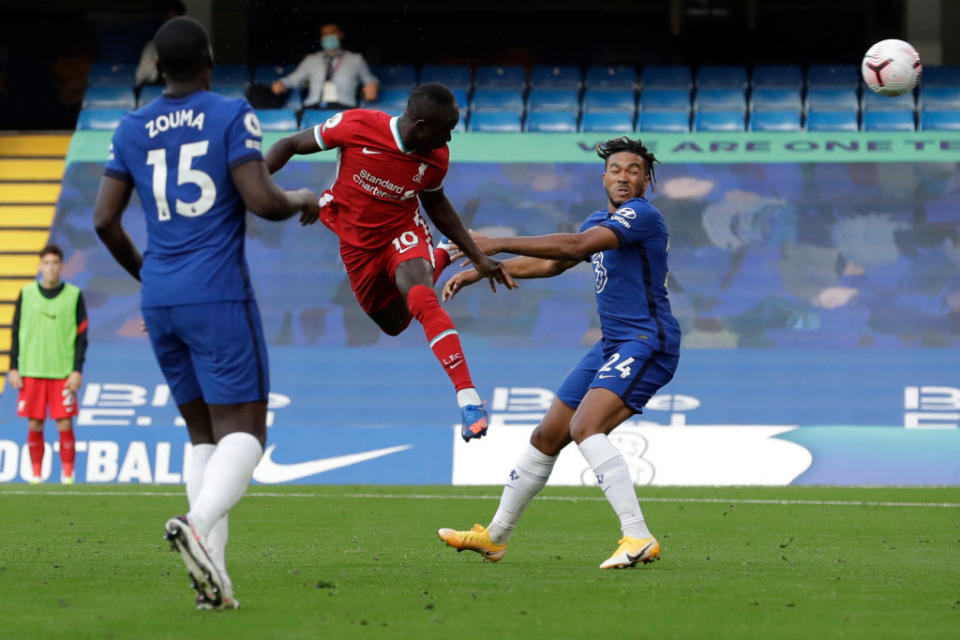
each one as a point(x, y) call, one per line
point(375, 196)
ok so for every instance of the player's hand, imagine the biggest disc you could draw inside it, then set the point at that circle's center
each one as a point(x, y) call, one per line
point(143, 325)
point(15, 381)
point(74, 380)
point(277, 88)
point(494, 271)
point(310, 206)
point(459, 280)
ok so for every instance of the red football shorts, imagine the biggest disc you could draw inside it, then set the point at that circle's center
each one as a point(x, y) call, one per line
point(39, 393)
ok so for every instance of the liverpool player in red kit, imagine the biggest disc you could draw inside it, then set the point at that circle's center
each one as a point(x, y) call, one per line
point(385, 165)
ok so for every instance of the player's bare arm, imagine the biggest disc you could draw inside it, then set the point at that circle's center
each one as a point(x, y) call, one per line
point(112, 200)
point(556, 246)
point(265, 199)
point(521, 268)
point(441, 212)
point(282, 150)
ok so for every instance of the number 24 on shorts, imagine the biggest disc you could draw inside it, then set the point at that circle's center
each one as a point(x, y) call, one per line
point(613, 363)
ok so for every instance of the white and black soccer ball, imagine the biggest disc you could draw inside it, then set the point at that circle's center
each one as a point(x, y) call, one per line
point(891, 67)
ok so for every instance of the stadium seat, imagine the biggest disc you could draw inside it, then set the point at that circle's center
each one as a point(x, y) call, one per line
point(495, 121)
point(100, 119)
point(615, 121)
point(609, 100)
point(888, 121)
point(109, 97)
point(778, 75)
point(722, 76)
point(231, 74)
point(940, 121)
point(230, 90)
point(786, 120)
point(460, 95)
point(270, 73)
point(555, 77)
point(664, 99)
point(721, 100)
point(876, 102)
point(390, 98)
point(940, 98)
point(664, 121)
point(313, 117)
point(619, 77)
point(453, 76)
point(825, 99)
point(776, 99)
point(940, 76)
point(554, 100)
point(551, 122)
point(719, 121)
point(834, 120)
point(501, 77)
point(667, 77)
point(148, 93)
point(396, 76)
point(498, 100)
point(277, 119)
point(117, 75)
point(829, 75)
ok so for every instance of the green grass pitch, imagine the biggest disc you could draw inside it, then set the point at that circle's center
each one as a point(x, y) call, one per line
point(365, 562)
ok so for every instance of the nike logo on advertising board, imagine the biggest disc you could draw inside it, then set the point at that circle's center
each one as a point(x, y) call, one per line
point(371, 152)
point(270, 472)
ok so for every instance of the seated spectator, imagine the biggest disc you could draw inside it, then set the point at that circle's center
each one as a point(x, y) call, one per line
point(332, 75)
point(147, 71)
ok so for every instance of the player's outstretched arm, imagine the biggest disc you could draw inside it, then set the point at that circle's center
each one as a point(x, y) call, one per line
point(520, 268)
point(112, 199)
point(265, 199)
point(283, 149)
point(556, 246)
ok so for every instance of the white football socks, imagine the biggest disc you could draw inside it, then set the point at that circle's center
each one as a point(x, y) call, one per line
point(468, 396)
point(613, 477)
point(225, 479)
point(526, 480)
point(217, 538)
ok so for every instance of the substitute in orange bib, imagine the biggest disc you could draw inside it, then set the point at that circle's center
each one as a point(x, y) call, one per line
point(46, 358)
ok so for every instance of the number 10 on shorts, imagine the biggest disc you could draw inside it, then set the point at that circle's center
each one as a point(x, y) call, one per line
point(405, 241)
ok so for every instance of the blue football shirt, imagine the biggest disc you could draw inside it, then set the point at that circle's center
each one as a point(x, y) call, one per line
point(631, 279)
point(178, 152)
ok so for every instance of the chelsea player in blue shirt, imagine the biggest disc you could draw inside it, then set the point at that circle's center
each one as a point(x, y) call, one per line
point(194, 158)
point(636, 355)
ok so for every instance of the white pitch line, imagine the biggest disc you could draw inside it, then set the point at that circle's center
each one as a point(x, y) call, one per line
point(428, 496)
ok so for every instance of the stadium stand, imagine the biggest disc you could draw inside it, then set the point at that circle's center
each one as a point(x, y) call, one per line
point(832, 99)
point(657, 99)
point(551, 122)
point(769, 98)
point(119, 75)
point(616, 77)
point(495, 121)
point(875, 102)
point(100, 119)
point(615, 121)
point(268, 73)
point(596, 100)
point(888, 121)
point(313, 117)
point(667, 77)
point(835, 120)
point(109, 97)
point(664, 121)
point(778, 75)
point(719, 121)
point(838, 76)
point(559, 77)
point(940, 121)
point(396, 76)
point(722, 77)
point(940, 98)
point(501, 77)
point(498, 100)
point(715, 99)
point(788, 120)
point(277, 119)
point(553, 100)
point(225, 75)
point(940, 76)
point(148, 93)
point(455, 77)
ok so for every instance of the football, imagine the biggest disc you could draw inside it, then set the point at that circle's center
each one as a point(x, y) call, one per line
point(891, 67)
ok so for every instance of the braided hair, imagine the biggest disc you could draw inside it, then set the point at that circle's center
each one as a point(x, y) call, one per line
point(623, 143)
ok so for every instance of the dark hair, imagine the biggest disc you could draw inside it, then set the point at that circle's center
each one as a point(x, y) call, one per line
point(173, 6)
point(427, 95)
point(623, 143)
point(183, 48)
point(51, 249)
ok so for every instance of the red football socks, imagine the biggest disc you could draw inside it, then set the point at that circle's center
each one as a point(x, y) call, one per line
point(441, 334)
point(441, 260)
point(35, 442)
point(67, 451)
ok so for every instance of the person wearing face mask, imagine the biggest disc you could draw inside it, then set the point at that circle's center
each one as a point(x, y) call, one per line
point(332, 75)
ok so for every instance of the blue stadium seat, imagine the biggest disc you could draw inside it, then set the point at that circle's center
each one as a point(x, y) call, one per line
point(230, 90)
point(495, 121)
point(501, 77)
point(453, 76)
point(148, 93)
point(721, 100)
point(776, 99)
point(888, 121)
point(778, 75)
point(824, 99)
point(556, 77)
point(460, 95)
point(609, 100)
point(109, 97)
point(390, 98)
point(940, 76)
point(719, 121)
point(940, 98)
point(100, 119)
point(313, 117)
point(664, 121)
point(615, 121)
point(834, 120)
point(667, 77)
point(833, 75)
point(551, 122)
point(231, 74)
point(498, 100)
point(940, 121)
point(617, 77)
point(664, 99)
point(277, 119)
point(722, 76)
point(116, 75)
point(554, 100)
point(786, 120)
point(876, 102)
point(396, 76)
point(270, 73)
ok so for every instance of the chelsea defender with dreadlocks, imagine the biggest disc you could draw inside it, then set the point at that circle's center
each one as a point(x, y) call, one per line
point(636, 355)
